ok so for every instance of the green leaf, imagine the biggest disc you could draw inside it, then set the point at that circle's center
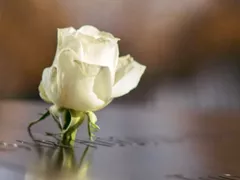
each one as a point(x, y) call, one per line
point(67, 120)
point(92, 126)
point(77, 119)
point(74, 119)
point(92, 117)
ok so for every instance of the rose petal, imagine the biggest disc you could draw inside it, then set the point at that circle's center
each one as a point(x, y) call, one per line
point(43, 94)
point(76, 88)
point(64, 32)
point(100, 52)
point(89, 30)
point(103, 84)
point(49, 84)
point(127, 76)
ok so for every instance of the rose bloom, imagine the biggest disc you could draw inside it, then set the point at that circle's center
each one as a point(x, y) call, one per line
point(87, 72)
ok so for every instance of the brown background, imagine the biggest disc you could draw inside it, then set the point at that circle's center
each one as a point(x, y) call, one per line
point(170, 37)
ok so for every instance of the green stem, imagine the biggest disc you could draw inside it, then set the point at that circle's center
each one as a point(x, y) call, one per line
point(90, 134)
point(69, 137)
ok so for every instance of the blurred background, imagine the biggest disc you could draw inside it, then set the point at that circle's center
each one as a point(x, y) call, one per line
point(190, 47)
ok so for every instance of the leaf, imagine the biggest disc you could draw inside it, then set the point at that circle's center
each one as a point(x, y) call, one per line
point(92, 126)
point(92, 117)
point(77, 119)
point(67, 120)
point(73, 121)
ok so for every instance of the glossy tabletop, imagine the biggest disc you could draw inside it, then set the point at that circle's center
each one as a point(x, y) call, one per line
point(167, 140)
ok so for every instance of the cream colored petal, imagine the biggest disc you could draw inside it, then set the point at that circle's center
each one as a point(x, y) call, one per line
point(49, 84)
point(89, 30)
point(70, 42)
point(76, 88)
point(43, 94)
point(94, 32)
point(90, 45)
point(100, 52)
point(92, 51)
point(127, 76)
point(108, 36)
point(103, 84)
point(64, 32)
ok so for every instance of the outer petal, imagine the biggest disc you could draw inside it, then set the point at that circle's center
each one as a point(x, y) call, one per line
point(49, 89)
point(94, 32)
point(89, 30)
point(127, 77)
point(103, 84)
point(76, 84)
point(43, 94)
point(64, 32)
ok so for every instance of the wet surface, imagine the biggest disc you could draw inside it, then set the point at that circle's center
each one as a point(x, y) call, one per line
point(148, 141)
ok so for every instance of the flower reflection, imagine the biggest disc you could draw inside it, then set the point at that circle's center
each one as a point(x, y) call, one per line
point(59, 164)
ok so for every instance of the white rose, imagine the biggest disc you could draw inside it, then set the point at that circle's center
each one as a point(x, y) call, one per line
point(87, 72)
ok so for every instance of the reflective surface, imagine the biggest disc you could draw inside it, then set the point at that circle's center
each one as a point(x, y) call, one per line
point(170, 141)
